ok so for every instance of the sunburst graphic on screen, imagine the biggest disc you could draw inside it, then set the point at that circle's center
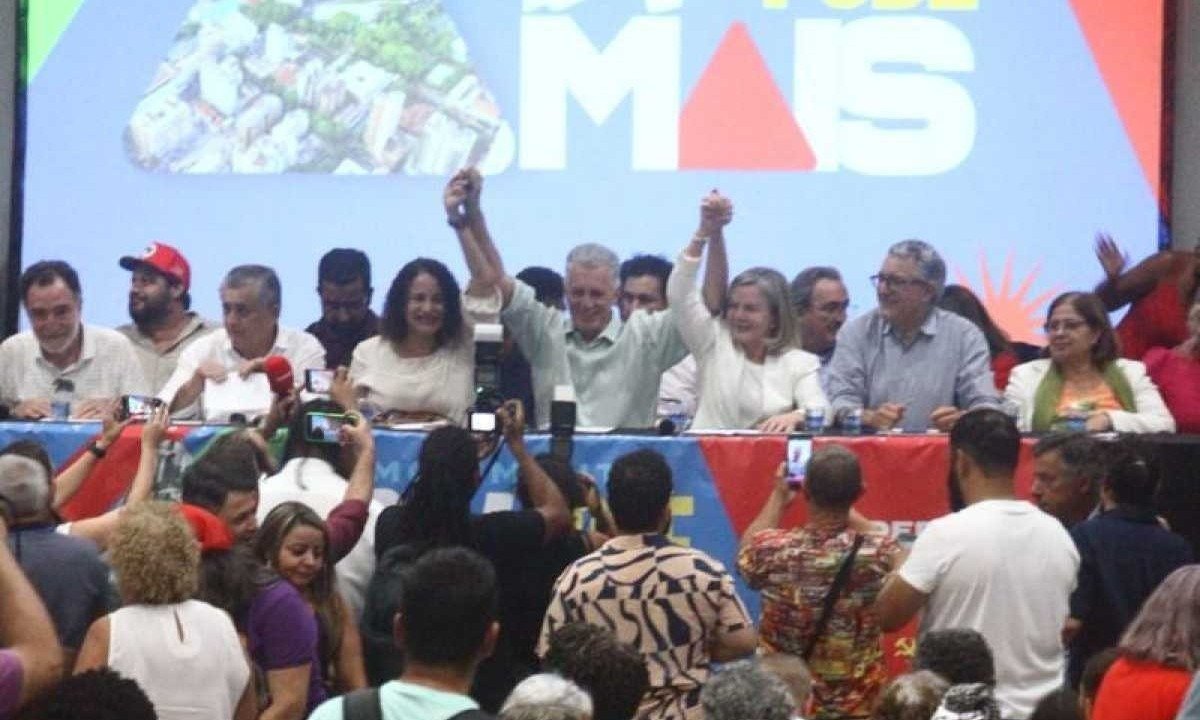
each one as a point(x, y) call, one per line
point(1013, 309)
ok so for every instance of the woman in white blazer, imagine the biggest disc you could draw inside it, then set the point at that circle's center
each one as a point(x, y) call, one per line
point(1083, 378)
point(752, 372)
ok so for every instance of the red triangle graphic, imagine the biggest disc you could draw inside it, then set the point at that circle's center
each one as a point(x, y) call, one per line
point(736, 118)
point(1127, 43)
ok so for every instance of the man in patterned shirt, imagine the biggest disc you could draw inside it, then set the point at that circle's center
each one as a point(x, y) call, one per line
point(674, 604)
point(795, 569)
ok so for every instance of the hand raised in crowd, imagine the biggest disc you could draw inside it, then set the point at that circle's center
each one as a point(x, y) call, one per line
point(279, 413)
point(785, 492)
point(155, 428)
point(341, 389)
point(94, 408)
point(357, 433)
point(32, 409)
point(474, 191)
point(455, 196)
point(784, 423)
point(111, 426)
point(1099, 422)
point(716, 211)
point(1110, 255)
point(944, 417)
point(511, 416)
point(884, 417)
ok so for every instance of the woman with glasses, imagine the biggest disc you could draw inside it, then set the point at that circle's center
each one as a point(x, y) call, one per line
point(752, 372)
point(1083, 385)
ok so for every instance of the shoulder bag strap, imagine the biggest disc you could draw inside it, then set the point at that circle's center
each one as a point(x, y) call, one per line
point(835, 590)
point(362, 705)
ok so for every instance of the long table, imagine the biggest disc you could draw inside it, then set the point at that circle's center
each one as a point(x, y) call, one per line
point(720, 482)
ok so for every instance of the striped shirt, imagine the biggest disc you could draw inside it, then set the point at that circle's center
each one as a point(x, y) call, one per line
point(107, 367)
point(667, 601)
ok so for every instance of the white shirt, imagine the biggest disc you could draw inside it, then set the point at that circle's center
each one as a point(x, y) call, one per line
point(677, 390)
point(1005, 569)
point(735, 392)
point(1150, 413)
point(251, 396)
point(107, 367)
point(186, 657)
point(441, 383)
point(315, 483)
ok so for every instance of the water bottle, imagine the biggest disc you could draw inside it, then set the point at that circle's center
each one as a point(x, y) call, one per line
point(60, 401)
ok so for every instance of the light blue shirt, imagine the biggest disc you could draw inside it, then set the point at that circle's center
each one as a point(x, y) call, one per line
point(615, 375)
point(1190, 710)
point(946, 364)
point(405, 701)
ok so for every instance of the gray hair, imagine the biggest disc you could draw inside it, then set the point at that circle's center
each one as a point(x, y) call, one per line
point(912, 695)
point(743, 690)
point(929, 263)
point(807, 279)
point(269, 292)
point(24, 485)
point(792, 671)
point(774, 288)
point(547, 696)
point(594, 255)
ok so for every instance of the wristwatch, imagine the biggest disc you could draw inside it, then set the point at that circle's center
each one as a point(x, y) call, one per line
point(96, 450)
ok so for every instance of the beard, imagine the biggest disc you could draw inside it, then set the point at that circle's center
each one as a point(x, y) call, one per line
point(152, 311)
point(59, 346)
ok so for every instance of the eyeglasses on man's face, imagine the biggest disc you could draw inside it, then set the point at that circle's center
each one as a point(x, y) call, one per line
point(896, 282)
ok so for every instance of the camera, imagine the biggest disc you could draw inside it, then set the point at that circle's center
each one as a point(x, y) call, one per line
point(489, 342)
point(562, 423)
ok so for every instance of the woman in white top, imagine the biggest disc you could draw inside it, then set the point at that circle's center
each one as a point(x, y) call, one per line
point(185, 654)
point(421, 366)
point(752, 372)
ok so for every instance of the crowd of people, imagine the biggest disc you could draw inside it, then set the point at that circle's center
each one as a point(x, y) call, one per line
point(278, 587)
point(633, 341)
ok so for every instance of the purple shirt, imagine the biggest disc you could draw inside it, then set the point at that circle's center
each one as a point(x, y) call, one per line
point(12, 676)
point(281, 632)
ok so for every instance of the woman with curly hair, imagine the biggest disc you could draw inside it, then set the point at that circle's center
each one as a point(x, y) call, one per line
point(295, 543)
point(161, 636)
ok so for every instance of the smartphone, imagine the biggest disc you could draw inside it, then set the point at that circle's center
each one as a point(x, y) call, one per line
point(325, 427)
point(139, 406)
point(318, 381)
point(799, 450)
point(482, 422)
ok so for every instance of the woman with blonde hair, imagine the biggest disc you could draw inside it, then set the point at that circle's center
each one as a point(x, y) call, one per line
point(752, 372)
point(1159, 654)
point(184, 653)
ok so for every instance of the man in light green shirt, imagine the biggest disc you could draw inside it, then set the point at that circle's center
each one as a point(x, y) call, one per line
point(614, 366)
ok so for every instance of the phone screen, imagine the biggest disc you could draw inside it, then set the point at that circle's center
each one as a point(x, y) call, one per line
point(799, 450)
point(483, 422)
point(318, 381)
point(323, 427)
point(140, 406)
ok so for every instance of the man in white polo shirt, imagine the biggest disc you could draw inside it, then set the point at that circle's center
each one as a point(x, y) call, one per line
point(93, 366)
point(220, 375)
point(1000, 567)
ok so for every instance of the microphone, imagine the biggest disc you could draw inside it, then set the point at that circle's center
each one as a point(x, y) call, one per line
point(279, 374)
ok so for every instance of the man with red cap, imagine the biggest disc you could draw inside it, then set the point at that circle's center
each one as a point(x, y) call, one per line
point(159, 305)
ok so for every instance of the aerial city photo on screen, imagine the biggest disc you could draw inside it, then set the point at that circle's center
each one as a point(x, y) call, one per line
point(314, 86)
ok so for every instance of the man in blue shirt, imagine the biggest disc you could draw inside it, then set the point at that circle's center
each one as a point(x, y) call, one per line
point(909, 364)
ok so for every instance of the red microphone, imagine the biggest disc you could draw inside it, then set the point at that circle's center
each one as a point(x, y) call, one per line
point(279, 374)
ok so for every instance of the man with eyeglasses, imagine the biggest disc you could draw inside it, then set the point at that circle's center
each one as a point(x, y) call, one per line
point(909, 364)
point(820, 300)
point(344, 286)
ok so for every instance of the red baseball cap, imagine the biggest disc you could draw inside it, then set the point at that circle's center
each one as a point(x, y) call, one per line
point(163, 258)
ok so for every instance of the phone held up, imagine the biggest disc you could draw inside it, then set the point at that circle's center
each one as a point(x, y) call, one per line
point(318, 382)
point(799, 450)
point(138, 407)
point(325, 427)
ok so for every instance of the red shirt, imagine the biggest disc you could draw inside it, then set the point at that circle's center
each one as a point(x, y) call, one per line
point(1178, 379)
point(1157, 320)
point(1136, 690)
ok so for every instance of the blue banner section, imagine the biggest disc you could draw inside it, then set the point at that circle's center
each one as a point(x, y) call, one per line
point(699, 516)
